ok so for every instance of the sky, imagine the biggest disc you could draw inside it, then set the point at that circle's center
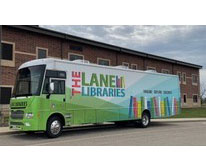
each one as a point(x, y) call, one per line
point(185, 43)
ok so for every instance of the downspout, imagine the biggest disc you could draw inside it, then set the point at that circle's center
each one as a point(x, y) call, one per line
point(61, 49)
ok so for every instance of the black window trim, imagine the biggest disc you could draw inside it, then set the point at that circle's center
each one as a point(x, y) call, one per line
point(185, 95)
point(55, 76)
point(7, 86)
point(13, 49)
point(193, 98)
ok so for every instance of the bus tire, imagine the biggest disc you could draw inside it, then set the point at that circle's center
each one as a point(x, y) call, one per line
point(54, 127)
point(145, 121)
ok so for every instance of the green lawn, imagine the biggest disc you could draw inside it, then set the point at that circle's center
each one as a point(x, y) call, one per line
point(192, 113)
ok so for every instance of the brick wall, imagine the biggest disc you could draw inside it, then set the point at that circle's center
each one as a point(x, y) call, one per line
point(26, 44)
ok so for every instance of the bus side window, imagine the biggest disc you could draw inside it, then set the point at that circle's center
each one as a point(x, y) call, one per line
point(59, 86)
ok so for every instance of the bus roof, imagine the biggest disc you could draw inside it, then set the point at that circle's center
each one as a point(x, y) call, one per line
point(47, 61)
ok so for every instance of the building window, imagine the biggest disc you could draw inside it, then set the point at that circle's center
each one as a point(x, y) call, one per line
point(73, 57)
point(102, 61)
point(165, 71)
point(151, 68)
point(194, 79)
point(76, 48)
point(184, 98)
point(180, 76)
point(184, 78)
point(125, 64)
point(5, 95)
point(134, 66)
point(195, 99)
point(42, 53)
point(7, 51)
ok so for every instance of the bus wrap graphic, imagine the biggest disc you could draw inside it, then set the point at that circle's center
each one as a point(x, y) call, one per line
point(98, 85)
point(158, 107)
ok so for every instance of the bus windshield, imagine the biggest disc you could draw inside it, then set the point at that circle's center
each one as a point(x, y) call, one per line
point(29, 81)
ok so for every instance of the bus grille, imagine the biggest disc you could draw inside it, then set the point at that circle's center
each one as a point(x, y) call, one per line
point(17, 114)
point(16, 123)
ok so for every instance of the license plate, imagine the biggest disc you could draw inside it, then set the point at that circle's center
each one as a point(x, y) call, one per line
point(15, 127)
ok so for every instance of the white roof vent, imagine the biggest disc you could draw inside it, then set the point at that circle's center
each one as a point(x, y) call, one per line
point(122, 67)
point(81, 61)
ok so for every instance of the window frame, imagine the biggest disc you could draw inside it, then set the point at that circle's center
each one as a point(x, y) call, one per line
point(127, 63)
point(184, 82)
point(7, 86)
point(104, 59)
point(167, 70)
point(9, 63)
point(37, 55)
point(193, 99)
point(134, 65)
point(43, 90)
point(195, 83)
point(75, 54)
point(184, 94)
point(151, 68)
point(180, 77)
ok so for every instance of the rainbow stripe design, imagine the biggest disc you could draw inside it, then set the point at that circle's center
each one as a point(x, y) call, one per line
point(158, 107)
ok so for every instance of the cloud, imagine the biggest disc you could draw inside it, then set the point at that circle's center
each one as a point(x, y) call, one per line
point(185, 43)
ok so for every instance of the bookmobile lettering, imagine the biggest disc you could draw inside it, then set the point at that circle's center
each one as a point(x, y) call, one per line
point(99, 85)
point(156, 92)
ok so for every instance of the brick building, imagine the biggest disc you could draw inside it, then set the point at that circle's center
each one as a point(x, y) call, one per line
point(24, 43)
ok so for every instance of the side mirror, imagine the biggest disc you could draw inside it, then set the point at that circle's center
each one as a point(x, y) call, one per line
point(51, 87)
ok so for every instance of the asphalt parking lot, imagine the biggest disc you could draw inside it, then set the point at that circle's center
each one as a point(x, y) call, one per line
point(158, 134)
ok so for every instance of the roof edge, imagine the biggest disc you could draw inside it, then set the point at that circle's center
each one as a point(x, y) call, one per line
point(44, 31)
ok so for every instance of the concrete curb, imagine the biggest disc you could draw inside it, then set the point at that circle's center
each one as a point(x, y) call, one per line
point(6, 131)
point(179, 120)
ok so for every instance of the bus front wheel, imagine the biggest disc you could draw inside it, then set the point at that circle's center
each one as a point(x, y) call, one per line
point(54, 127)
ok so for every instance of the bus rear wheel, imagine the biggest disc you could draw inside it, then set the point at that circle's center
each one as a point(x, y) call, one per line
point(54, 127)
point(145, 121)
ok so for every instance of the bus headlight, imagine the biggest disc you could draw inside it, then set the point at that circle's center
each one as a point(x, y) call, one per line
point(29, 115)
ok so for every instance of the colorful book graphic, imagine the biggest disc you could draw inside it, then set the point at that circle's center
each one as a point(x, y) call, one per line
point(151, 107)
point(156, 105)
point(139, 109)
point(173, 106)
point(159, 106)
point(168, 107)
point(130, 107)
point(162, 108)
point(135, 107)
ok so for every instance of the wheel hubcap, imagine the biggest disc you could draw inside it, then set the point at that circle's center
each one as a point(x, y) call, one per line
point(145, 120)
point(55, 127)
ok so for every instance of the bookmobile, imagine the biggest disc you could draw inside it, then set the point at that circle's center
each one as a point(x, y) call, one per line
point(51, 94)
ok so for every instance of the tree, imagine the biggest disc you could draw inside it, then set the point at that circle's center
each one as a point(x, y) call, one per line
point(203, 93)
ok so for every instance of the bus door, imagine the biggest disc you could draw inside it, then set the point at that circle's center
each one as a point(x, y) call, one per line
point(58, 97)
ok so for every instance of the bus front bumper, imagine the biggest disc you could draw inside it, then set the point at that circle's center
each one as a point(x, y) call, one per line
point(23, 125)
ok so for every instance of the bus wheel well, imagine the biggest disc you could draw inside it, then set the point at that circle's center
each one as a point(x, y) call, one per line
point(148, 112)
point(58, 115)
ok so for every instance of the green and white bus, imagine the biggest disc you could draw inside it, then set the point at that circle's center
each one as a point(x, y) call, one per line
point(51, 94)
